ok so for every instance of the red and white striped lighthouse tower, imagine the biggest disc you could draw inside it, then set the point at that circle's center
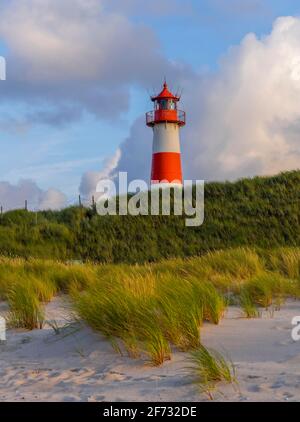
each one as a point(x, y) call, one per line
point(166, 121)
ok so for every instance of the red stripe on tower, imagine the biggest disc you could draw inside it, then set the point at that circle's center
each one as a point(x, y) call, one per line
point(166, 168)
point(166, 121)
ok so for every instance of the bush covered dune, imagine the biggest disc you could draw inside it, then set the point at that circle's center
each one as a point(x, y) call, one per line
point(145, 310)
point(149, 294)
point(260, 212)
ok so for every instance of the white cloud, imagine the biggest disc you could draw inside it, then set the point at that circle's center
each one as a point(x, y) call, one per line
point(52, 199)
point(56, 40)
point(250, 108)
point(243, 120)
point(76, 56)
point(14, 196)
point(90, 179)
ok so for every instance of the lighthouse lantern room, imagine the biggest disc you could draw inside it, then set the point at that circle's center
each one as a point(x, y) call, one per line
point(166, 121)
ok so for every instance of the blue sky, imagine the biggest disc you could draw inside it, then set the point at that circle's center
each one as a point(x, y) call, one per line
point(195, 34)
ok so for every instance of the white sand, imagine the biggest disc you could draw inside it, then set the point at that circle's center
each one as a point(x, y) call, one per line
point(77, 364)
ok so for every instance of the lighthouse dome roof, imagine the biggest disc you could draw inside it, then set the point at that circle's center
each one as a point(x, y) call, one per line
point(165, 94)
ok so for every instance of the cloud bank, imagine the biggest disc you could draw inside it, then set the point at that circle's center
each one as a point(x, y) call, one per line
point(14, 196)
point(243, 120)
point(73, 56)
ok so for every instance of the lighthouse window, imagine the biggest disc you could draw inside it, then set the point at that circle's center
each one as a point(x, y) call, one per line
point(172, 105)
point(163, 105)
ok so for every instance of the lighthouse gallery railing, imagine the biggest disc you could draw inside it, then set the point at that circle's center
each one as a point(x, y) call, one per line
point(153, 116)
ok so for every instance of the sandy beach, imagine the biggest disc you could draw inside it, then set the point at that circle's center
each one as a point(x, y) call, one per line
point(75, 364)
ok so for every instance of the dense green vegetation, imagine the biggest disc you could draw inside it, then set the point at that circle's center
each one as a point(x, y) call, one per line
point(262, 212)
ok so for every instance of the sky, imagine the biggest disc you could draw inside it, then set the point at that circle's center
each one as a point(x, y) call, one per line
point(80, 73)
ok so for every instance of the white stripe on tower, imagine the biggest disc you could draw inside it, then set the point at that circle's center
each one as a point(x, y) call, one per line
point(166, 138)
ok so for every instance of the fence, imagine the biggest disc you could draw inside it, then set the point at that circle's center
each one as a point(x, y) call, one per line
point(34, 206)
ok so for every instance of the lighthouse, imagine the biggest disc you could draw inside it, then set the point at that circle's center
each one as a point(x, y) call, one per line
point(166, 120)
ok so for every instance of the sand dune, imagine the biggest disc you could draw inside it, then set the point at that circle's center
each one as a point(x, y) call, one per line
point(78, 364)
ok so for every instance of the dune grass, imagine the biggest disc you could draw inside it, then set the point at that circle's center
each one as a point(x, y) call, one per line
point(148, 312)
point(125, 311)
point(147, 309)
point(209, 368)
point(250, 310)
point(27, 285)
point(285, 261)
point(26, 310)
point(268, 288)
